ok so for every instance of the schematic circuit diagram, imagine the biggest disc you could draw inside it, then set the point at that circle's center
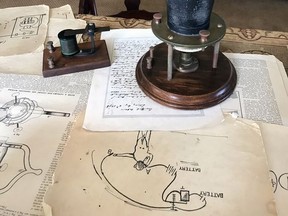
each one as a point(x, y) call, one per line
point(148, 184)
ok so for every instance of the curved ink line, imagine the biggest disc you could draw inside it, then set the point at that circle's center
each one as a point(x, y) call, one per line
point(94, 167)
point(196, 209)
point(3, 167)
point(26, 161)
point(276, 180)
point(13, 181)
point(188, 210)
point(29, 105)
point(280, 181)
point(141, 204)
point(165, 200)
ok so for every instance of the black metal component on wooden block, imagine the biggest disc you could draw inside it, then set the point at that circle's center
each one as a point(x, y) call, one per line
point(71, 64)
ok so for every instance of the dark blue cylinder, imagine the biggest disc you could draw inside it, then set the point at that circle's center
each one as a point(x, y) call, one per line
point(188, 17)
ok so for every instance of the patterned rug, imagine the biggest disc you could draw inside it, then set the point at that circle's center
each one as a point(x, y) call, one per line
point(236, 40)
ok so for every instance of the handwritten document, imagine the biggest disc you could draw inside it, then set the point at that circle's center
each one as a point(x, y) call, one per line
point(117, 103)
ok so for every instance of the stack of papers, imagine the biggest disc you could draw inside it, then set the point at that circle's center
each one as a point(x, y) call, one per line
point(229, 159)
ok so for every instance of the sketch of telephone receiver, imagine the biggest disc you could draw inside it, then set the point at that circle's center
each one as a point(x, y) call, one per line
point(23, 109)
point(14, 164)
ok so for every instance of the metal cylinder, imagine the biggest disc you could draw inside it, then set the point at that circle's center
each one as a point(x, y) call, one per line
point(188, 17)
point(68, 44)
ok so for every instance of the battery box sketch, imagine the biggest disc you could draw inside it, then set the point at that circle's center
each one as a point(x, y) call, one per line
point(22, 109)
point(14, 164)
point(140, 179)
point(22, 26)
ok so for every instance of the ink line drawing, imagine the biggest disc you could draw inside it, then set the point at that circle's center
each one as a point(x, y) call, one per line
point(22, 26)
point(147, 184)
point(279, 181)
point(10, 174)
point(22, 109)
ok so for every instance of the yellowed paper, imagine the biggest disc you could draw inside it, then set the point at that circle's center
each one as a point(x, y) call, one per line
point(64, 12)
point(217, 171)
point(23, 29)
point(275, 139)
point(24, 54)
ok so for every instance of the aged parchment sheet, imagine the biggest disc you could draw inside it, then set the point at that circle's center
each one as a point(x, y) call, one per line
point(36, 117)
point(217, 171)
point(24, 32)
point(275, 139)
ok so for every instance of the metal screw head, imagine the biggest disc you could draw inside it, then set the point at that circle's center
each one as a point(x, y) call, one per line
point(170, 37)
point(50, 46)
point(157, 17)
point(51, 63)
point(219, 25)
point(204, 34)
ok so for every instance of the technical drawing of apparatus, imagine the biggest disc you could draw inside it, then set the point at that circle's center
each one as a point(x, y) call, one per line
point(22, 109)
point(12, 169)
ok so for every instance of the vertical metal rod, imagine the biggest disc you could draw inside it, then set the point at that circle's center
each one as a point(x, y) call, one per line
point(151, 51)
point(169, 62)
point(216, 54)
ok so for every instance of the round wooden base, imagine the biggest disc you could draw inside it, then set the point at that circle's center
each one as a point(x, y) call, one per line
point(200, 89)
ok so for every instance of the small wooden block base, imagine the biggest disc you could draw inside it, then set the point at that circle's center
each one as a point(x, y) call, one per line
point(72, 64)
point(203, 88)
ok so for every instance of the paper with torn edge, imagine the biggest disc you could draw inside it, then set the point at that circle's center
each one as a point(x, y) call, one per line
point(34, 127)
point(116, 102)
point(217, 171)
point(36, 114)
point(31, 62)
point(22, 34)
point(261, 90)
point(64, 12)
point(275, 139)
point(23, 29)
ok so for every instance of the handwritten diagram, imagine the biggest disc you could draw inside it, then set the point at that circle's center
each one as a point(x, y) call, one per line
point(21, 109)
point(149, 183)
point(12, 169)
